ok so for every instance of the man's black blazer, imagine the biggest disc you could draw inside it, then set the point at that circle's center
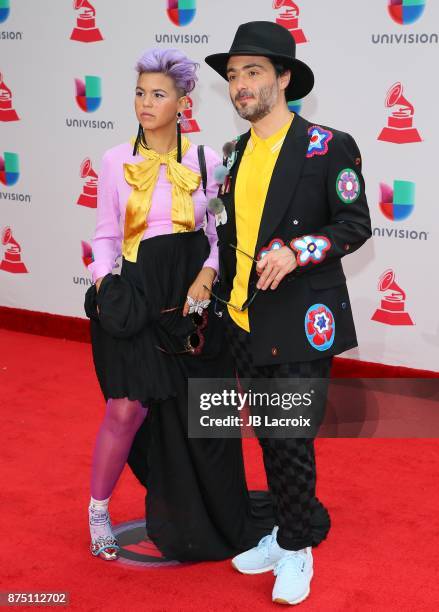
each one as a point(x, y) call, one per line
point(316, 192)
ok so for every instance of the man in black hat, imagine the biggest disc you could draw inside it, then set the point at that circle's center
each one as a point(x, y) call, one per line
point(294, 205)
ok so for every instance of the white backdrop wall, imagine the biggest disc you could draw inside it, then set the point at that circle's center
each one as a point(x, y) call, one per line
point(357, 51)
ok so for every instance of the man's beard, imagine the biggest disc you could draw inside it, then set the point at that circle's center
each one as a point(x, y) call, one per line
point(266, 100)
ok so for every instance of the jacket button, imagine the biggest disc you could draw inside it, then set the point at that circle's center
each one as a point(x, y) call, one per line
point(274, 351)
point(296, 222)
point(344, 305)
point(346, 247)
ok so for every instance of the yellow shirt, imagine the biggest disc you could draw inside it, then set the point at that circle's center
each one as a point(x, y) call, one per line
point(252, 182)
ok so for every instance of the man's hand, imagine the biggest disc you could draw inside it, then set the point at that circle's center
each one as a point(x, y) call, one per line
point(196, 291)
point(274, 266)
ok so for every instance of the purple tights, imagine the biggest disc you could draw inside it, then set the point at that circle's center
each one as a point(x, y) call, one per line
point(122, 419)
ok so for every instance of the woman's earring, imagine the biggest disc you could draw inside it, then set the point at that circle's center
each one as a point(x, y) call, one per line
point(179, 137)
point(139, 138)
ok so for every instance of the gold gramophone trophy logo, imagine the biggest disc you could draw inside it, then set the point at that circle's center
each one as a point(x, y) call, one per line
point(89, 195)
point(11, 261)
point(289, 19)
point(392, 309)
point(399, 129)
point(86, 30)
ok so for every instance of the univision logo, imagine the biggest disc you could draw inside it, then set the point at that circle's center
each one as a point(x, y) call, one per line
point(405, 12)
point(87, 253)
point(9, 169)
point(398, 203)
point(295, 106)
point(181, 12)
point(87, 258)
point(89, 99)
point(88, 93)
point(4, 10)
point(9, 175)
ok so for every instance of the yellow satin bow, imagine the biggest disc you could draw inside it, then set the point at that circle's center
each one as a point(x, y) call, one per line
point(143, 178)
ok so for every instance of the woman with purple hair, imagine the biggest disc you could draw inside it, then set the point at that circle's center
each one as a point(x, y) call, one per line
point(153, 327)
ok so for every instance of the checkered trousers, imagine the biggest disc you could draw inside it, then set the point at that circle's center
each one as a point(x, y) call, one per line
point(289, 463)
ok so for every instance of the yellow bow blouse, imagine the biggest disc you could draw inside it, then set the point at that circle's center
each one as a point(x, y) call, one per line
point(143, 176)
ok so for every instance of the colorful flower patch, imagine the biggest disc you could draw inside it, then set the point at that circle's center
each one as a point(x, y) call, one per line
point(310, 248)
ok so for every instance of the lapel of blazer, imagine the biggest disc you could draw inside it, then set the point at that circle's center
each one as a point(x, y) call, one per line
point(284, 180)
point(229, 200)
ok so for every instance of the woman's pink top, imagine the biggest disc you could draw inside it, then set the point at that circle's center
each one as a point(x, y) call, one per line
point(113, 194)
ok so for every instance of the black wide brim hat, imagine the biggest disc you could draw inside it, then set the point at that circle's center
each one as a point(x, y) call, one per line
point(271, 40)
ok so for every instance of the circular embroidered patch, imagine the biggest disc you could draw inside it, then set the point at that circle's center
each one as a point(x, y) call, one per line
point(348, 186)
point(320, 327)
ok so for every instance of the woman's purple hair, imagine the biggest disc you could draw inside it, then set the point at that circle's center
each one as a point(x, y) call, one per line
point(173, 63)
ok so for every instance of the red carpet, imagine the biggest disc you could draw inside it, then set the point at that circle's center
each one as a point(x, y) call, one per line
point(381, 553)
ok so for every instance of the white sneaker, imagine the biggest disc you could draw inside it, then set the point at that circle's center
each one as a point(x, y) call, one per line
point(262, 558)
point(293, 577)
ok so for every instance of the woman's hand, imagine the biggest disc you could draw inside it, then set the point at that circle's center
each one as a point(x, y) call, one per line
point(196, 291)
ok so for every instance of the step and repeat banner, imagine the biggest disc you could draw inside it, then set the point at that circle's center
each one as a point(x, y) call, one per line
point(67, 84)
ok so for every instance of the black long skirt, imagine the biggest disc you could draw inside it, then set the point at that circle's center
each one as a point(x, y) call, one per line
point(198, 506)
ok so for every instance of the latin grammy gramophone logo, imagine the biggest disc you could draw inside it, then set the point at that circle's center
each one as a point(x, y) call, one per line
point(89, 195)
point(189, 123)
point(85, 30)
point(9, 169)
point(405, 12)
point(392, 309)
point(399, 129)
point(11, 261)
point(4, 10)
point(88, 93)
point(7, 112)
point(289, 19)
point(181, 12)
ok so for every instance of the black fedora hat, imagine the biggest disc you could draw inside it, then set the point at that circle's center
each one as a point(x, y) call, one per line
point(270, 40)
